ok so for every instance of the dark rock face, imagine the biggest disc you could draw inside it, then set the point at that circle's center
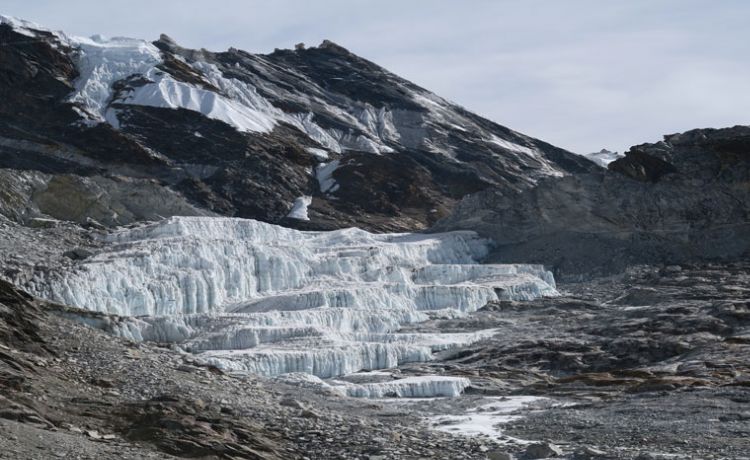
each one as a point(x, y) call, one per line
point(186, 428)
point(685, 198)
point(20, 345)
point(18, 328)
point(705, 155)
point(405, 155)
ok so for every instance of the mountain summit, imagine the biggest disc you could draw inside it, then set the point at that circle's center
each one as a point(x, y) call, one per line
point(114, 130)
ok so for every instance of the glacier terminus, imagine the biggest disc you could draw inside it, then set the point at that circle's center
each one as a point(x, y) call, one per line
point(248, 296)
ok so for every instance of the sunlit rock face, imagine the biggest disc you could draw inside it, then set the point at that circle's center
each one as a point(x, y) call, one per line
point(254, 297)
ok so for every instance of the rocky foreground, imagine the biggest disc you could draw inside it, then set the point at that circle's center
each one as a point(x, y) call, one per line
point(69, 391)
point(651, 364)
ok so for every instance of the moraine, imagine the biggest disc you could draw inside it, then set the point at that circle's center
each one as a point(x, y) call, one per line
point(251, 297)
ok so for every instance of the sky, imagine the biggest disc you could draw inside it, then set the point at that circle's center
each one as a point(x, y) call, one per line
point(581, 74)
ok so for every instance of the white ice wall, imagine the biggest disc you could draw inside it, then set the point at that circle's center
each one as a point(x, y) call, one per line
point(410, 387)
point(254, 297)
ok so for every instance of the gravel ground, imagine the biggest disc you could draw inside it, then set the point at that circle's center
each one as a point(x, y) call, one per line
point(654, 363)
point(71, 389)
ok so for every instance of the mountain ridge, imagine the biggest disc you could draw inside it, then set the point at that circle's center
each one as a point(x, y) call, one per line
point(680, 200)
point(246, 135)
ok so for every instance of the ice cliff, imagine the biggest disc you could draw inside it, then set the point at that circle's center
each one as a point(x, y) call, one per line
point(254, 297)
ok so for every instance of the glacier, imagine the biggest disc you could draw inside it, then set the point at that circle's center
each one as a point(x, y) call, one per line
point(252, 297)
point(409, 387)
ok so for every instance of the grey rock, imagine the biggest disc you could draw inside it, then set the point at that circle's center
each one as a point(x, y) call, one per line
point(78, 254)
point(588, 452)
point(289, 402)
point(307, 413)
point(601, 222)
point(542, 450)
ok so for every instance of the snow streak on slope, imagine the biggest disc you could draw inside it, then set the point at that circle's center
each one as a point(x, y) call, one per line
point(254, 297)
point(104, 62)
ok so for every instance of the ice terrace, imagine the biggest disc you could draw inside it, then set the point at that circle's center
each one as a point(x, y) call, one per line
point(253, 297)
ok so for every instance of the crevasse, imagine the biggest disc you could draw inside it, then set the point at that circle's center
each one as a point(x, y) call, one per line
point(254, 297)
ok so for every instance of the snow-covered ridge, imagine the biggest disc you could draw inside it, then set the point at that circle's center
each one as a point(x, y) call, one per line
point(103, 62)
point(256, 93)
point(21, 26)
point(254, 297)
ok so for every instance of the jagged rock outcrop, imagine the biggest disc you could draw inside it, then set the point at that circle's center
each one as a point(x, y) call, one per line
point(684, 198)
point(121, 130)
point(18, 328)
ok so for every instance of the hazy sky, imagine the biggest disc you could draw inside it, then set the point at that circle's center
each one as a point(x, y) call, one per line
point(580, 74)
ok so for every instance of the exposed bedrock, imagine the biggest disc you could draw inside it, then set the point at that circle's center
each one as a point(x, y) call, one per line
point(682, 199)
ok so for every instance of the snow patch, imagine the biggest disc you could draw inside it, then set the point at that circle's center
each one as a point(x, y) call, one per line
point(299, 208)
point(320, 154)
point(324, 174)
point(487, 419)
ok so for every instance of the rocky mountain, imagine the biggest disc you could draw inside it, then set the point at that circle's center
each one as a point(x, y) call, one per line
point(119, 130)
point(204, 335)
point(681, 199)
